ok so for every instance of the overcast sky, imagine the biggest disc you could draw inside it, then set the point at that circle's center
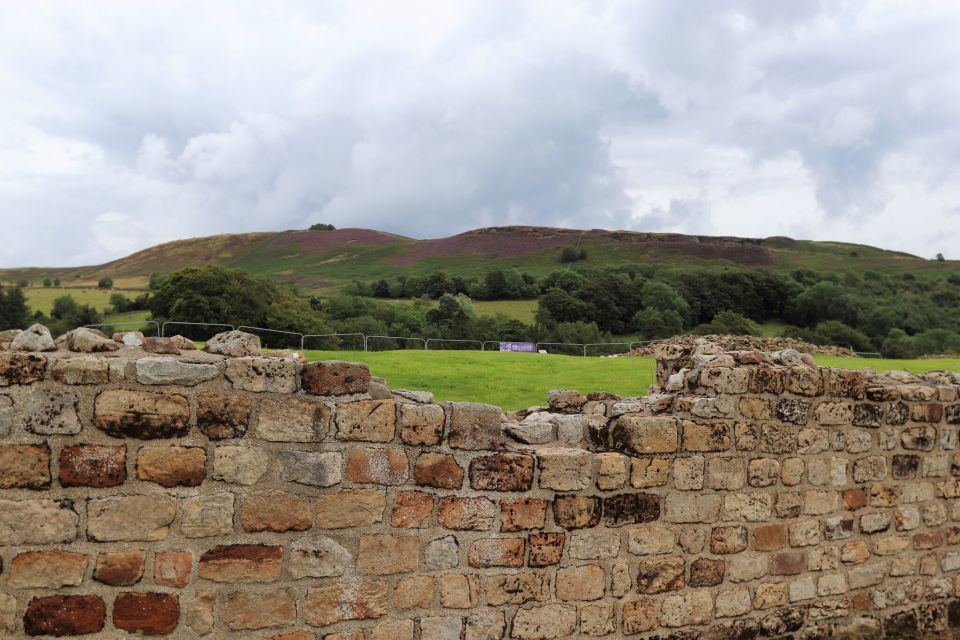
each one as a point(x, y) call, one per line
point(125, 124)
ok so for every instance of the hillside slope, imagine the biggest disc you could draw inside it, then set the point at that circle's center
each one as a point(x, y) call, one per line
point(319, 260)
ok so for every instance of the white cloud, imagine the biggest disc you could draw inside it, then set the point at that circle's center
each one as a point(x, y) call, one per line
point(826, 120)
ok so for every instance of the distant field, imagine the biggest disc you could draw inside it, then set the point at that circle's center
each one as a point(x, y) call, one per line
point(522, 310)
point(41, 299)
point(772, 328)
point(508, 380)
point(518, 380)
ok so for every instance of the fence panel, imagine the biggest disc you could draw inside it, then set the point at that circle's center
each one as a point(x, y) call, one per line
point(563, 348)
point(334, 342)
point(196, 330)
point(452, 344)
point(393, 343)
point(605, 348)
point(275, 338)
point(109, 328)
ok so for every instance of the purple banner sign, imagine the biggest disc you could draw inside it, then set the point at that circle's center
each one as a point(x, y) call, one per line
point(527, 347)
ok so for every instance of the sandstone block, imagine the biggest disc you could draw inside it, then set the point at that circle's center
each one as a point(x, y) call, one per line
point(141, 414)
point(317, 469)
point(644, 434)
point(421, 424)
point(93, 465)
point(81, 370)
point(24, 466)
point(318, 557)
point(546, 549)
point(412, 510)
point(21, 368)
point(335, 378)
point(241, 563)
point(383, 554)
point(734, 602)
point(650, 540)
point(367, 420)
point(240, 464)
point(438, 470)
point(820, 502)
point(587, 582)
point(630, 508)
point(388, 466)
point(516, 588)
point(170, 371)
point(688, 473)
point(277, 511)
point(198, 612)
point(119, 568)
point(612, 471)
point(597, 620)
point(64, 615)
point(789, 563)
point(172, 568)
point(441, 628)
point(522, 513)
point(746, 567)
point(919, 438)
point(46, 570)
point(748, 507)
point(353, 508)
point(207, 515)
point(392, 629)
point(289, 420)
point(764, 472)
point(346, 600)
point(473, 426)
point(172, 466)
point(544, 622)
point(502, 472)
point(661, 574)
point(36, 337)
point(769, 537)
point(706, 572)
point(731, 539)
point(563, 469)
point(235, 344)
point(726, 473)
point(458, 591)
point(221, 417)
point(714, 436)
point(777, 438)
point(639, 616)
point(793, 411)
point(649, 472)
point(47, 412)
point(770, 595)
point(258, 374)
point(466, 513)
point(689, 508)
point(692, 607)
point(496, 552)
point(593, 544)
point(269, 609)
point(441, 553)
point(130, 518)
point(413, 593)
point(577, 512)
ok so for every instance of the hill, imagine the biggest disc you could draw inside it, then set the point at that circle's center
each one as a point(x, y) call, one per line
point(323, 260)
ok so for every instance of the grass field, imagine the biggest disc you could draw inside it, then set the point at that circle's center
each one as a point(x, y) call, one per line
point(522, 310)
point(508, 380)
point(41, 299)
point(519, 380)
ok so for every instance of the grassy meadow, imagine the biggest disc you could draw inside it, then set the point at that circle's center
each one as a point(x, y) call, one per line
point(519, 380)
point(41, 298)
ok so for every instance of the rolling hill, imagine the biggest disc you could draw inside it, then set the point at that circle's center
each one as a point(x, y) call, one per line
point(324, 260)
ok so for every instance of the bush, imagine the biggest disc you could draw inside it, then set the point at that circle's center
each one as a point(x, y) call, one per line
point(652, 323)
point(105, 283)
point(728, 323)
point(572, 254)
point(47, 283)
point(322, 227)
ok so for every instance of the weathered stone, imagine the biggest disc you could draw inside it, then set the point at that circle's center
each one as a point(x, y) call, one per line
point(496, 552)
point(141, 414)
point(441, 628)
point(161, 346)
point(272, 510)
point(593, 544)
point(734, 602)
point(367, 421)
point(793, 411)
point(788, 563)
point(346, 600)
point(777, 438)
point(413, 593)
point(731, 539)
point(207, 515)
point(290, 420)
point(240, 464)
point(438, 470)
point(767, 596)
point(172, 466)
point(222, 417)
point(706, 572)
point(715, 436)
point(639, 616)
point(644, 434)
point(546, 549)
point(354, 508)
point(198, 612)
point(46, 570)
point(321, 469)
point(763, 472)
point(93, 465)
point(170, 371)
point(747, 507)
point(612, 470)
point(662, 574)
point(522, 513)
point(442, 553)
point(387, 466)
point(36, 337)
point(49, 412)
point(516, 588)
point(130, 518)
point(576, 512)
point(318, 557)
point(260, 374)
point(563, 469)
point(922, 438)
point(64, 615)
point(21, 368)
point(544, 622)
point(272, 608)
point(241, 563)
point(458, 591)
point(726, 473)
point(81, 370)
point(421, 424)
point(630, 508)
point(649, 472)
point(692, 607)
point(172, 568)
point(474, 426)
point(502, 472)
point(235, 344)
point(335, 378)
point(688, 473)
point(119, 568)
point(586, 582)
point(688, 508)
point(412, 510)
point(24, 466)
point(37, 522)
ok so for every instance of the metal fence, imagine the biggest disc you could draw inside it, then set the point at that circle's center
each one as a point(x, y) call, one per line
point(282, 338)
point(132, 323)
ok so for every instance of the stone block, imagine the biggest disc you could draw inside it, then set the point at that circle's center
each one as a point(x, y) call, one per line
point(459, 591)
point(522, 513)
point(24, 466)
point(544, 622)
point(516, 588)
point(172, 466)
point(144, 518)
point(563, 469)
point(411, 510)
point(64, 615)
point(335, 378)
point(276, 511)
point(119, 568)
point(207, 515)
point(639, 435)
point(49, 412)
point(93, 465)
point(576, 512)
point(546, 549)
point(726, 473)
point(241, 563)
point(290, 420)
point(612, 472)
point(366, 420)
point(496, 552)
point(421, 424)
point(438, 470)
point(733, 602)
point(345, 600)
point(81, 370)
point(172, 568)
point(688, 473)
point(649, 472)
point(259, 375)
point(706, 572)
point(729, 539)
point(413, 593)
point(639, 616)
point(318, 557)
point(474, 426)
point(170, 371)
point(316, 469)
point(46, 570)
point(350, 508)
point(690, 508)
point(262, 609)
point(20, 369)
point(586, 582)
point(690, 608)
point(661, 574)
point(502, 472)
point(388, 466)
point(240, 464)
point(141, 414)
point(221, 417)
point(706, 437)
point(592, 544)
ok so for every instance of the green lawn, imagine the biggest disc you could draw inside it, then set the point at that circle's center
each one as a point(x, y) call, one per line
point(522, 310)
point(508, 380)
point(41, 299)
point(519, 380)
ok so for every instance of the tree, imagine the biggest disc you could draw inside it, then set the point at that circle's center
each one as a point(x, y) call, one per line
point(56, 282)
point(652, 323)
point(23, 283)
point(322, 227)
point(14, 313)
point(155, 280)
point(105, 282)
point(381, 289)
point(47, 283)
point(940, 257)
point(120, 303)
point(728, 323)
point(572, 254)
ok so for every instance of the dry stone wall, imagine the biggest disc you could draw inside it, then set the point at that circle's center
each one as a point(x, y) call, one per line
point(748, 496)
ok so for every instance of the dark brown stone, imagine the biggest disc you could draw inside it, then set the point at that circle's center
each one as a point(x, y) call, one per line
point(952, 413)
point(705, 572)
point(438, 470)
point(64, 616)
point(152, 614)
point(119, 568)
point(141, 414)
point(474, 426)
point(778, 438)
point(93, 465)
point(502, 472)
point(725, 540)
point(222, 417)
point(24, 466)
point(789, 563)
point(769, 538)
point(897, 413)
point(854, 499)
point(546, 549)
point(847, 383)
point(784, 621)
point(335, 378)
point(905, 466)
point(21, 368)
point(663, 574)
point(576, 512)
point(867, 415)
point(793, 411)
point(630, 508)
point(766, 380)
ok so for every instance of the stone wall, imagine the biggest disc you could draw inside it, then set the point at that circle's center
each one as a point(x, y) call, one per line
point(748, 496)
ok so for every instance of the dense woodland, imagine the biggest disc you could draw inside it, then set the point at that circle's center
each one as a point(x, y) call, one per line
point(900, 315)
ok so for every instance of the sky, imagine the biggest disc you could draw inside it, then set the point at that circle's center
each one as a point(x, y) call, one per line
point(125, 124)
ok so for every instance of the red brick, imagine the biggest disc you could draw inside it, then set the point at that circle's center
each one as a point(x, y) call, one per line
point(93, 465)
point(152, 614)
point(64, 616)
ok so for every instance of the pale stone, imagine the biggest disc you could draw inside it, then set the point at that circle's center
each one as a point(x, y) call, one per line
point(262, 375)
point(747, 507)
point(81, 370)
point(688, 473)
point(318, 469)
point(8, 613)
point(544, 623)
point(239, 464)
point(46, 570)
point(234, 343)
point(441, 628)
point(565, 469)
point(692, 607)
point(612, 471)
point(650, 540)
point(802, 589)
point(832, 584)
point(35, 338)
point(745, 567)
point(165, 370)
point(318, 557)
point(207, 515)
point(48, 412)
point(726, 473)
point(290, 420)
point(593, 544)
point(36, 522)
point(735, 602)
point(687, 508)
point(649, 472)
point(442, 553)
point(130, 518)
